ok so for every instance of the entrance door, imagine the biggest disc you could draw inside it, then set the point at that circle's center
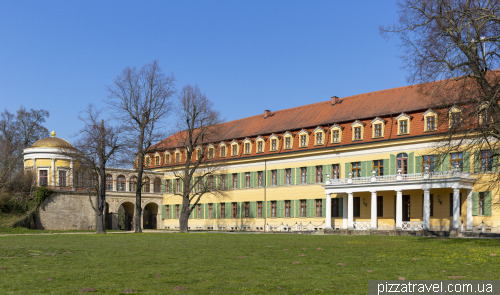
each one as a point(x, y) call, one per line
point(406, 208)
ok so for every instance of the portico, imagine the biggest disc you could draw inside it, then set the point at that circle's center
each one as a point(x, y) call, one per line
point(354, 193)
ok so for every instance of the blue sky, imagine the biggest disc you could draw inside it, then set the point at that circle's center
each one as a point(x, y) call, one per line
point(246, 56)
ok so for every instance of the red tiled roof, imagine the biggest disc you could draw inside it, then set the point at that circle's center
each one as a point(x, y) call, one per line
point(361, 106)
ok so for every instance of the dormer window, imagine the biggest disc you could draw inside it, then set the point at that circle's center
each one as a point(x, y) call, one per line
point(403, 127)
point(319, 138)
point(336, 133)
point(357, 133)
point(403, 122)
point(378, 127)
point(260, 146)
point(378, 130)
point(157, 160)
point(247, 148)
point(288, 143)
point(177, 157)
point(319, 135)
point(455, 117)
point(357, 130)
point(336, 136)
point(431, 123)
point(235, 150)
point(485, 116)
point(223, 151)
point(211, 153)
point(273, 144)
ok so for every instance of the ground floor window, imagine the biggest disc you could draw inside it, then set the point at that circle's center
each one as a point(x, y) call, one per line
point(319, 208)
point(167, 213)
point(259, 209)
point(63, 178)
point(235, 209)
point(43, 177)
point(210, 211)
point(222, 210)
point(247, 209)
point(273, 209)
point(177, 215)
point(481, 203)
point(303, 208)
point(199, 215)
point(288, 208)
point(335, 208)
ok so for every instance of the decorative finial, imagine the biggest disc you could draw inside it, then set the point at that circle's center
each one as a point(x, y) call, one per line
point(53, 133)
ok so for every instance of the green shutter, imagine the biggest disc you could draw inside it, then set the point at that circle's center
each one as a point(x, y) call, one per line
point(217, 211)
point(323, 207)
point(309, 172)
point(205, 216)
point(494, 164)
point(163, 189)
point(341, 207)
point(309, 208)
point(253, 209)
point(437, 163)
point(411, 160)
point(268, 209)
point(477, 161)
point(162, 211)
point(392, 170)
point(475, 204)
point(329, 170)
point(386, 166)
point(297, 208)
point(364, 168)
point(487, 203)
point(202, 211)
point(229, 210)
point(324, 172)
point(281, 209)
point(446, 163)
point(418, 164)
point(281, 176)
point(292, 176)
point(292, 209)
point(466, 162)
point(297, 175)
point(268, 173)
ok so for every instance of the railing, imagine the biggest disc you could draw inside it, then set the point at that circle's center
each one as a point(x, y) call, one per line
point(412, 225)
point(398, 177)
point(362, 225)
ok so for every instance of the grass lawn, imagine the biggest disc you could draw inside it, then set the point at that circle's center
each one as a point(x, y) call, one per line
point(211, 263)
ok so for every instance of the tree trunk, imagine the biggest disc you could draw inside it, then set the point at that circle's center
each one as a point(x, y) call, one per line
point(100, 223)
point(138, 200)
point(183, 221)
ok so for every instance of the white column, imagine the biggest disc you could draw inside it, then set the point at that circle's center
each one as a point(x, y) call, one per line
point(53, 168)
point(344, 211)
point(374, 210)
point(427, 209)
point(350, 211)
point(71, 171)
point(328, 221)
point(469, 209)
point(456, 209)
point(399, 209)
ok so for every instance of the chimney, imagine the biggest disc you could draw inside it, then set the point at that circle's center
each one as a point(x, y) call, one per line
point(267, 113)
point(335, 100)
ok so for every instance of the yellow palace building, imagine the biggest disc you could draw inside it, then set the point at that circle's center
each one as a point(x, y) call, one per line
point(364, 162)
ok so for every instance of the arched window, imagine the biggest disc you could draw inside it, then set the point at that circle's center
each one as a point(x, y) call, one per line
point(109, 182)
point(132, 185)
point(146, 186)
point(402, 160)
point(157, 187)
point(121, 183)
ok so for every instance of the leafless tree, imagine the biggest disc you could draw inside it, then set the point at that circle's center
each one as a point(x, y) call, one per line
point(142, 99)
point(198, 125)
point(452, 48)
point(17, 132)
point(99, 144)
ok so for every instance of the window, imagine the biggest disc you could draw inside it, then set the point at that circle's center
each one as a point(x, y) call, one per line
point(157, 185)
point(319, 138)
point(273, 209)
point(303, 140)
point(335, 207)
point(222, 210)
point(235, 150)
point(146, 185)
point(259, 209)
point(210, 211)
point(402, 162)
point(109, 182)
point(451, 205)
point(177, 215)
point(167, 213)
point(234, 210)
point(247, 148)
point(260, 146)
point(319, 174)
point(428, 161)
point(357, 133)
point(456, 159)
point(198, 184)
point(319, 208)
point(211, 182)
point(247, 179)
point(198, 210)
point(121, 183)
point(481, 203)
point(336, 135)
point(132, 184)
point(288, 142)
point(431, 123)
point(288, 209)
point(157, 160)
point(356, 207)
point(335, 171)
point(177, 157)
point(288, 176)
point(273, 144)
point(303, 175)
point(303, 207)
point(235, 180)
point(378, 166)
point(356, 169)
point(199, 154)
point(211, 153)
point(380, 206)
point(178, 185)
point(274, 176)
point(223, 181)
point(403, 127)
point(484, 117)
point(169, 187)
point(63, 179)
point(378, 130)
point(486, 160)
point(260, 178)
point(222, 151)
point(455, 119)
point(148, 162)
point(247, 209)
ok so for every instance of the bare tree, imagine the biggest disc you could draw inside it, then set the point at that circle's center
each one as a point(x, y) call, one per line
point(99, 144)
point(452, 48)
point(198, 124)
point(142, 99)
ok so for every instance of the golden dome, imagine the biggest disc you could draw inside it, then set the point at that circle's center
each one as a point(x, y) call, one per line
point(52, 142)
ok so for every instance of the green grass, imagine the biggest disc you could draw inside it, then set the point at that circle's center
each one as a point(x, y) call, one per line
point(210, 263)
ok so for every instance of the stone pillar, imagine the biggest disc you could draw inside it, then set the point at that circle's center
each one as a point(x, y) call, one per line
point(344, 211)
point(427, 209)
point(456, 209)
point(374, 210)
point(399, 209)
point(469, 210)
point(328, 221)
point(53, 169)
point(350, 211)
